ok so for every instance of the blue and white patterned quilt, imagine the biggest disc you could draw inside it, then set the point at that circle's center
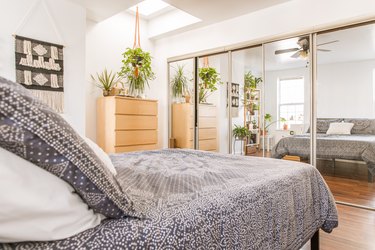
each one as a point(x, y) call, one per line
point(198, 200)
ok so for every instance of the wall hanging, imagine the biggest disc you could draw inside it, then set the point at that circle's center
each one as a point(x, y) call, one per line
point(39, 64)
point(39, 67)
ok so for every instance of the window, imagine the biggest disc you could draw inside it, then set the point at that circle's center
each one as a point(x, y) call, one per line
point(291, 101)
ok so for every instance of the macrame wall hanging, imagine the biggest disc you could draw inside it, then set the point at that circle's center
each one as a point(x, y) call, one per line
point(40, 65)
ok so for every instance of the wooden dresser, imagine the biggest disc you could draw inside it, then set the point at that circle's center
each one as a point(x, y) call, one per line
point(126, 124)
point(182, 126)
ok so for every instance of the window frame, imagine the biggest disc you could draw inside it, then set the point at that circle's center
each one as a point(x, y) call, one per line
point(279, 105)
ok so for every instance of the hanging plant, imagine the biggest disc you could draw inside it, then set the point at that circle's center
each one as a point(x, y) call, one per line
point(179, 83)
point(208, 84)
point(137, 70)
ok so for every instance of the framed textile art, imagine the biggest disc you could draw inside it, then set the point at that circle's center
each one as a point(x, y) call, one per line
point(40, 68)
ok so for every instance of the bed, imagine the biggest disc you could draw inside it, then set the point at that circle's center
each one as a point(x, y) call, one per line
point(166, 199)
point(197, 200)
point(358, 146)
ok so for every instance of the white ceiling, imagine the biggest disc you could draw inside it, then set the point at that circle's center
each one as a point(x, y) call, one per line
point(98, 10)
point(208, 11)
point(218, 10)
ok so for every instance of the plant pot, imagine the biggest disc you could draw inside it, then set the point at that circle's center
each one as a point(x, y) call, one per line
point(138, 94)
point(187, 99)
point(106, 92)
point(285, 126)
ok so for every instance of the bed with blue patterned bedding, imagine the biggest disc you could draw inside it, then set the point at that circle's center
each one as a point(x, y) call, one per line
point(198, 200)
point(358, 147)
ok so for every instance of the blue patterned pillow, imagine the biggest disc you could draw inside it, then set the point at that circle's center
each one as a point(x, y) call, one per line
point(31, 130)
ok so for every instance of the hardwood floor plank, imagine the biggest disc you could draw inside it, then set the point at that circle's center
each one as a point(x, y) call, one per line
point(356, 230)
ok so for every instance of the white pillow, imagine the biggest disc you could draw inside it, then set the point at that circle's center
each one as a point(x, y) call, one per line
point(340, 128)
point(103, 156)
point(35, 205)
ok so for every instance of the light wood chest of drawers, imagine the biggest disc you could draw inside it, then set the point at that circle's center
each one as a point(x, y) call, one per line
point(182, 126)
point(126, 124)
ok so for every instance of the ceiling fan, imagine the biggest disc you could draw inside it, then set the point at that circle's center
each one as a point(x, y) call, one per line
point(303, 49)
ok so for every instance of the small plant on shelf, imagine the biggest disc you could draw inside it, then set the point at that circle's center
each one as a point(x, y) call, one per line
point(210, 78)
point(179, 84)
point(240, 132)
point(136, 69)
point(106, 81)
point(250, 81)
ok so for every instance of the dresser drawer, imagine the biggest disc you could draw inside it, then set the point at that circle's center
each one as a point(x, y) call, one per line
point(134, 137)
point(208, 145)
point(123, 149)
point(136, 122)
point(136, 107)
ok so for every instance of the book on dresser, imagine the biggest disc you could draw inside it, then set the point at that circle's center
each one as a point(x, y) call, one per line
point(127, 124)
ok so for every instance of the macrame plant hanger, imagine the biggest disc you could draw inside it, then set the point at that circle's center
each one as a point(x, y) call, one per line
point(137, 42)
point(205, 62)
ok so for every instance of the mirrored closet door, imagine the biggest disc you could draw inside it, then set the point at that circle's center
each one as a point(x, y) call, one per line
point(213, 122)
point(181, 99)
point(346, 113)
point(287, 93)
point(246, 101)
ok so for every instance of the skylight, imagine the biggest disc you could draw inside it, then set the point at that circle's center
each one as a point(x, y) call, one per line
point(150, 7)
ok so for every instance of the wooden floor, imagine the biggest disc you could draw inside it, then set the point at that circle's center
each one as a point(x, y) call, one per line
point(356, 231)
point(348, 182)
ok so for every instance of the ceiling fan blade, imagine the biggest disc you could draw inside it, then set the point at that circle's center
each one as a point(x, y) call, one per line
point(282, 51)
point(325, 50)
point(335, 41)
point(296, 55)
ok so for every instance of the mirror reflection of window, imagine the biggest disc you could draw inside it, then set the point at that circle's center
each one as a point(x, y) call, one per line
point(287, 96)
point(291, 101)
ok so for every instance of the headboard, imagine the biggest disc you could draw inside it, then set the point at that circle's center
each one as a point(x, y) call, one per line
point(361, 125)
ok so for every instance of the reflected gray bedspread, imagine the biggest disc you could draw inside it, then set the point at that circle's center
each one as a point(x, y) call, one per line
point(350, 147)
point(199, 200)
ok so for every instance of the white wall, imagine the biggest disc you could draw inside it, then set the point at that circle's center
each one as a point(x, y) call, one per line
point(70, 20)
point(105, 43)
point(284, 18)
point(346, 90)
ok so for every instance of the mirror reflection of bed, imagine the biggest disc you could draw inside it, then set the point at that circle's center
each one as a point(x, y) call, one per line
point(345, 95)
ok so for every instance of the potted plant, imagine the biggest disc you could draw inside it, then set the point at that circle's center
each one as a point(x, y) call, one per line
point(268, 118)
point(106, 81)
point(250, 81)
point(208, 84)
point(179, 84)
point(253, 108)
point(137, 71)
point(240, 132)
